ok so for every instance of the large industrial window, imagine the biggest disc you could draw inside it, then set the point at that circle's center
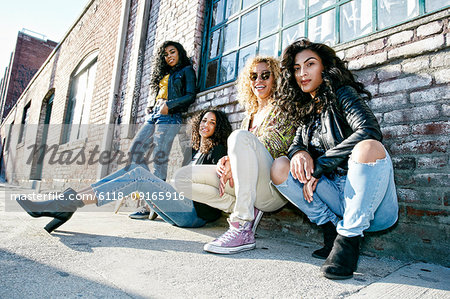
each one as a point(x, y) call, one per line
point(236, 30)
point(80, 98)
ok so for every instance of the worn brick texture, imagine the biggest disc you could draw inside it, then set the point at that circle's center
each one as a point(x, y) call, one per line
point(29, 54)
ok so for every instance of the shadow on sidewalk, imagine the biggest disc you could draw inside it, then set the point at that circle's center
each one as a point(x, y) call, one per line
point(26, 278)
point(87, 242)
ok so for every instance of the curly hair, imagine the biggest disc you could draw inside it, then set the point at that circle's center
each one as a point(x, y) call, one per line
point(297, 104)
point(220, 135)
point(247, 98)
point(160, 66)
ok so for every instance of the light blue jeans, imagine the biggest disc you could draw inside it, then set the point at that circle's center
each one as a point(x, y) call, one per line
point(157, 133)
point(159, 195)
point(363, 200)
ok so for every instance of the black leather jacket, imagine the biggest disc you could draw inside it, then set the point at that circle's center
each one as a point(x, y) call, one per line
point(343, 126)
point(181, 89)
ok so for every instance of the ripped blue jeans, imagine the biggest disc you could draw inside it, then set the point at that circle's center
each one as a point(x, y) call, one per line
point(363, 200)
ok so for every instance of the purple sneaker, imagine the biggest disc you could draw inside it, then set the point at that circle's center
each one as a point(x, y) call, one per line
point(236, 239)
point(258, 215)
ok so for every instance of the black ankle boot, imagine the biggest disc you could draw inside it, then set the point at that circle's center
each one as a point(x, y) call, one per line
point(329, 234)
point(61, 208)
point(343, 259)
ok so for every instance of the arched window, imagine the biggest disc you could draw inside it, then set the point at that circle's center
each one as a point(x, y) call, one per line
point(80, 98)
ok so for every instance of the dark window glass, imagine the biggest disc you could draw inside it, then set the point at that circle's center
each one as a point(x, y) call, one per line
point(211, 74)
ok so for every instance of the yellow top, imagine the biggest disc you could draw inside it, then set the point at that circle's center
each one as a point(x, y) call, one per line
point(163, 88)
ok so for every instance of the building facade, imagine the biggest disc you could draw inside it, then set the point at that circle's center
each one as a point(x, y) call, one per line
point(28, 56)
point(100, 75)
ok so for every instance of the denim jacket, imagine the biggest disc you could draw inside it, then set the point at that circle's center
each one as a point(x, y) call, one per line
point(344, 124)
point(181, 91)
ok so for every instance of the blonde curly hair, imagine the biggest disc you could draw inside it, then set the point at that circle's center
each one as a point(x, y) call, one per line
point(246, 97)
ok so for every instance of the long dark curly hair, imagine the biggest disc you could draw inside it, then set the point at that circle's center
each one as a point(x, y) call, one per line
point(299, 105)
point(220, 135)
point(160, 66)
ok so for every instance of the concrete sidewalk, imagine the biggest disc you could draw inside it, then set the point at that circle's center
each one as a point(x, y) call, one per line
point(99, 254)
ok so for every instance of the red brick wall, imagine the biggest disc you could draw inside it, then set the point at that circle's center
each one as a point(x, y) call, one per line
point(29, 54)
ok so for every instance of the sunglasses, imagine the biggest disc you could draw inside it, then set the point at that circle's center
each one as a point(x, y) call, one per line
point(264, 76)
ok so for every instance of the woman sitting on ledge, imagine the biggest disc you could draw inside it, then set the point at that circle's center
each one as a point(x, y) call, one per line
point(337, 171)
point(240, 184)
point(210, 130)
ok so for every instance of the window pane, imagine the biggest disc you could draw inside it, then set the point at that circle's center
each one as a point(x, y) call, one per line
point(214, 45)
point(292, 33)
point(356, 19)
point(211, 74)
point(25, 121)
point(316, 5)
point(391, 12)
point(245, 54)
point(89, 94)
point(230, 36)
point(227, 68)
point(431, 5)
point(232, 7)
point(248, 27)
point(321, 28)
point(293, 10)
point(269, 17)
point(269, 46)
point(217, 15)
point(248, 3)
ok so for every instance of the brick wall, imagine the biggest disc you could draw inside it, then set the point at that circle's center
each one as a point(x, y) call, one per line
point(29, 54)
point(95, 30)
point(185, 28)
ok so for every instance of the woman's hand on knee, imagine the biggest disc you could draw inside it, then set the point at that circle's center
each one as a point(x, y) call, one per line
point(309, 188)
point(302, 166)
point(223, 167)
point(223, 182)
